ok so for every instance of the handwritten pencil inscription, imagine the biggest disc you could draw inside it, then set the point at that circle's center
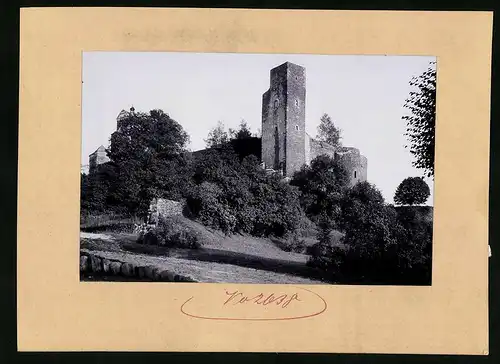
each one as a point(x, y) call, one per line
point(291, 303)
point(238, 297)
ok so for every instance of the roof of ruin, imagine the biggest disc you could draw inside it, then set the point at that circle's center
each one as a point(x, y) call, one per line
point(100, 149)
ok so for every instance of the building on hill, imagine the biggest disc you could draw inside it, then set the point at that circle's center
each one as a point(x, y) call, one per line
point(97, 158)
point(286, 146)
point(100, 156)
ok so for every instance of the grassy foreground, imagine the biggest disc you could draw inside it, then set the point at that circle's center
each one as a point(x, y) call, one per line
point(228, 259)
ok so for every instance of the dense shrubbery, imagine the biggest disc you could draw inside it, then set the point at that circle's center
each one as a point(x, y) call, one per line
point(240, 197)
point(380, 245)
point(322, 186)
point(173, 233)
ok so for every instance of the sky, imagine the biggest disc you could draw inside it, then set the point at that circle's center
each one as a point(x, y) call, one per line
point(364, 95)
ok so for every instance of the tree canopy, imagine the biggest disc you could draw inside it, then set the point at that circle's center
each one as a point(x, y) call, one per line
point(322, 185)
point(421, 120)
point(148, 153)
point(217, 136)
point(328, 132)
point(242, 133)
point(412, 191)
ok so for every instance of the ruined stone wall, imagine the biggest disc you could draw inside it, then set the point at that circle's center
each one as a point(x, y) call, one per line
point(355, 164)
point(161, 207)
point(97, 158)
point(317, 148)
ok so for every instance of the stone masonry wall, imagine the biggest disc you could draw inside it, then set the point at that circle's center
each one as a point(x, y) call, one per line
point(295, 118)
point(354, 163)
point(317, 148)
point(161, 207)
point(274, 120)
point(96, 264)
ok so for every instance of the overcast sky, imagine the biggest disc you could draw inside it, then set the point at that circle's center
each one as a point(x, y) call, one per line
point(364, 95)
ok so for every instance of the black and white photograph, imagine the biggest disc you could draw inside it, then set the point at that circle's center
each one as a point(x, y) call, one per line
point(257, 168)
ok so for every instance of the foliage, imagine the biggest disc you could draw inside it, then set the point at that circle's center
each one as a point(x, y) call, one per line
point(172, 233)
point(236, 196)
point(411, 191)
point(324, 254)
point(209, 206)
point(275, 205)
point(328, 132)
point(242, 133)
point(95, 187)
point(149, 156)
point(416, 251)
point(322, 185)
point(380, 245)
point(421, 120)
point(108, 221)
point(217, 136)
point(358, 204)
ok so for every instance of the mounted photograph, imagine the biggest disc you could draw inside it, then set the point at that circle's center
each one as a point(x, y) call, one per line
point(257, 168)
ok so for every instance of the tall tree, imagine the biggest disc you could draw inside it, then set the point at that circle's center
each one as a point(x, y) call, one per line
point(149, 159)
point(217, 136)
point(421, 120)
point(328, 132)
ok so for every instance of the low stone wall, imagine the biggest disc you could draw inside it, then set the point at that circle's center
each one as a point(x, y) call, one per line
point(100, 266)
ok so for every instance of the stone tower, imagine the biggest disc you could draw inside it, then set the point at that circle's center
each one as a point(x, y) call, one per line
point(283, 119)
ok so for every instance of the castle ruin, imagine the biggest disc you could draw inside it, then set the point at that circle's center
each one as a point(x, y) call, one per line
point(97, 158)
point(286, 146)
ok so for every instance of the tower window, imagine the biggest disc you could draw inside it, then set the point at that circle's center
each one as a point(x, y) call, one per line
point(276, 103)
point(296, 102)
point(354, 174)
point(297, 127)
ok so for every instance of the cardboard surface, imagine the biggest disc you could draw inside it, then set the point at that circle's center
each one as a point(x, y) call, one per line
point(57, 312)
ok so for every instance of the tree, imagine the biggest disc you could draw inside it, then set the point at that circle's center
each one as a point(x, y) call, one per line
point(412, 191)
point(421, 120)
point(242, 133)
point(322, 185)
point(328, 132)
point(380, 245)
point(235, 196)
point(148, 153)
point(363, 199)
point(217, 136)
point(95, 196)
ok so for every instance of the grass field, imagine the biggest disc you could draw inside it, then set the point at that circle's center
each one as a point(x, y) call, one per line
point(230, 259)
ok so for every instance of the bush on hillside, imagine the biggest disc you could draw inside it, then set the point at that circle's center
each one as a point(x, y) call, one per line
point(379, 246)
point(323, 254)
point(239, 197)
point(208, 205)
point(322, 185)
point(173, 233)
